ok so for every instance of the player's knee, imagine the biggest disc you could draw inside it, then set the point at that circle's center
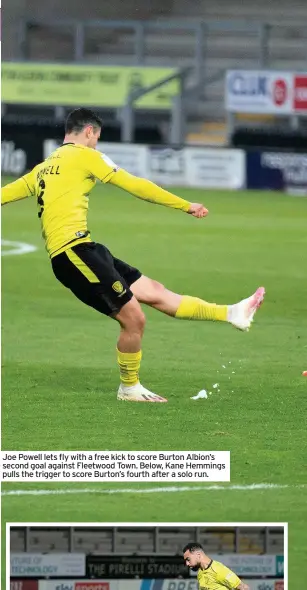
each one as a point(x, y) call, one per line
point(139, 321)
point(134, 321)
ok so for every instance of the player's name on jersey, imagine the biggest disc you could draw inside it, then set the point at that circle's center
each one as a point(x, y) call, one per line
point(48, 170)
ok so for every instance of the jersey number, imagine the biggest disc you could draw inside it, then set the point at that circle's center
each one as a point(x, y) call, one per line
point(40, 202)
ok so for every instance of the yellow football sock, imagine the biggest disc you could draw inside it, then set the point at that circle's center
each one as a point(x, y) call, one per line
point(129, 366)
point(193, 308)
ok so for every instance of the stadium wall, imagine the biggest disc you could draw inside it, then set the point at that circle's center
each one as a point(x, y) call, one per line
point(16, 11)
point(198, 167)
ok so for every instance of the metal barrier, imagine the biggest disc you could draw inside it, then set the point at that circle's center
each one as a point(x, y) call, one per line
point(140, 29)
point(177, 116)
point(165, 540)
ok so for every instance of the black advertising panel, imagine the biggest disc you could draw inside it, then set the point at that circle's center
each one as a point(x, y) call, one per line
point(100, 566)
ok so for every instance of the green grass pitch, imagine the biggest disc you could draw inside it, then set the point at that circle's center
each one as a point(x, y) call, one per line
point(59, 377)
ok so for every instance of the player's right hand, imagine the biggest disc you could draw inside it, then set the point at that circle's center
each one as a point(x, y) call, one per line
point(198, 210)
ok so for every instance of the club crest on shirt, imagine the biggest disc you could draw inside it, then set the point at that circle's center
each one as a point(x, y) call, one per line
point(117, 287)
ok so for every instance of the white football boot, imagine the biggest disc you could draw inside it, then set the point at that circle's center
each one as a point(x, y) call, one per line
point(241, 314)
point(138, 393)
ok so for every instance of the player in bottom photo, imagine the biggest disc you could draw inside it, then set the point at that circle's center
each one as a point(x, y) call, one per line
point(125, 556)
point(210, 573)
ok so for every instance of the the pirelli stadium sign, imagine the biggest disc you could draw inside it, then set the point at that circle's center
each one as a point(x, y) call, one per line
point(86, 85)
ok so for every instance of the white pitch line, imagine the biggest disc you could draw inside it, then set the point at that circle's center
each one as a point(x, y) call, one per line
point(16, 248)
point(170, 489)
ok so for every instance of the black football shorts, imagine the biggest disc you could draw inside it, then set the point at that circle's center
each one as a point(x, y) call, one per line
point(95, 276)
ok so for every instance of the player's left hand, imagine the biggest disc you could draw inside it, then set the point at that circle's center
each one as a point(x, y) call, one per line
point(198, 210)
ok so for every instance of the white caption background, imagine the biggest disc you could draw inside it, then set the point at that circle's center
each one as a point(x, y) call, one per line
point(21, 466)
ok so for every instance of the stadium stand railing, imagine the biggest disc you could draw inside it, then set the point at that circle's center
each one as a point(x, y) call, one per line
point(207, 47)
point(145, 540)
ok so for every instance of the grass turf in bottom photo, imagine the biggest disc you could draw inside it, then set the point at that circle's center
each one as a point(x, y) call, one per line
point(194, 503)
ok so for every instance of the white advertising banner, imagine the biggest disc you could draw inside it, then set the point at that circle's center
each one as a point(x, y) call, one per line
point(131, 157)
point(259, 91)
point(196, 167)
point(167, 165)
point(215, 168)
point(56, 564)
point(251, 565)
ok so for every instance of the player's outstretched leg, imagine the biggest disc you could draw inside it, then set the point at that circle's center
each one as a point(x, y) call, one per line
point(240, 315)
point(132, 323)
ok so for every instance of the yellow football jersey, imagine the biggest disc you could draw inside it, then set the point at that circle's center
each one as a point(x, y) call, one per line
point(61, 185)
point(216, 577)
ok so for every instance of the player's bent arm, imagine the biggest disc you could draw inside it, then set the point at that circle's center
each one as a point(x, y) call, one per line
point(19, 189)
point(148, 191)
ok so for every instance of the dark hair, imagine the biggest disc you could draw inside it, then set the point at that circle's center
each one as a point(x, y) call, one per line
point(192, 547)
point(79, 118)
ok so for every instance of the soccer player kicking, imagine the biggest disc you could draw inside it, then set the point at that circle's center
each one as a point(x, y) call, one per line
point(211, 574)
point(61, 186)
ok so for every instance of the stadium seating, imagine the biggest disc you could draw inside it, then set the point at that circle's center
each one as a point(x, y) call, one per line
point(236, 45)
point(144, 540)
point(92, 540)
